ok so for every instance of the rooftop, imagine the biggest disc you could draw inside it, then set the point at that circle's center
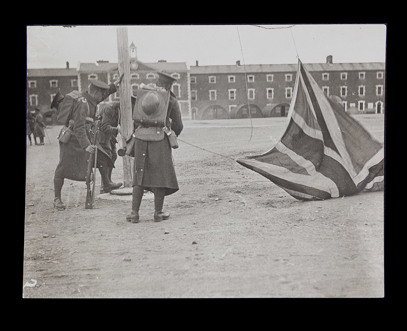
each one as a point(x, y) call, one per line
point(156, 66)
point(51, 72)
point(253, 68)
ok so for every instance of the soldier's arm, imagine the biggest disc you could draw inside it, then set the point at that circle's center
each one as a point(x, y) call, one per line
point(176, 117)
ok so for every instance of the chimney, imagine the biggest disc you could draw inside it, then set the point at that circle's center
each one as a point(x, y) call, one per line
point(238, 62)
point(196, 63)
point(67, 65)
point(329, 59)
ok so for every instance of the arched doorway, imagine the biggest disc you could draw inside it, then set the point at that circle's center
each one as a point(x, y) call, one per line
point(279, 110)
point(244, 111)
point(214, 112)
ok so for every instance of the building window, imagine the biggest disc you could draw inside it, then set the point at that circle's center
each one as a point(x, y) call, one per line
point(361, 90)
point(32, 83)
point(53, 83)
point(325, 89)
point(379, 107)
point(251, 93)
point(176, 89)
point(193, 79)
point(232, 79)
point(344, 75)
point(269, 77)
point(379, 75)
point(212, 79)
point(288, 77)
point(74, 83)
point(33, 100)
point(175, 75)
point(134, 76)
point(362, 75)
point(345, 105)
point(212, 94)
point(288, 92)
point(250, 78)
point(150, 75)
point(92, 76)
point(379, 90)
point(361, 105)
point(194, 95)
point(270, 93)
point(232, 94)
point(325, 76)
point(344, 91)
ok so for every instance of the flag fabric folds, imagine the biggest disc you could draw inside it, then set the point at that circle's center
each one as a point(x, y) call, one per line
point(324, 152)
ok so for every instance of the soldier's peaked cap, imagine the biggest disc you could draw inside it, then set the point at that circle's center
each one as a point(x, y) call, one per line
point(99, 84)
point(165, 76)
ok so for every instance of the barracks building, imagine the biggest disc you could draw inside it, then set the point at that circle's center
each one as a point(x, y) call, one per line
point(221, 91)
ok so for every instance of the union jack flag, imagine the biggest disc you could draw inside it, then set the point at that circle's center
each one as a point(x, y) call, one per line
point(324, 152)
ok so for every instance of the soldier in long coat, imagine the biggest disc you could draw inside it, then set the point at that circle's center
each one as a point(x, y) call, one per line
point(74, 154)
point(109, 128)
point(153, 165)
point(39, 126)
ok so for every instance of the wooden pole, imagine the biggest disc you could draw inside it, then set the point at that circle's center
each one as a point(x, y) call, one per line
point(126, 120)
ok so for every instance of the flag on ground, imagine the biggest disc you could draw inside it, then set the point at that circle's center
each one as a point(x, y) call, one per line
point(324, 152)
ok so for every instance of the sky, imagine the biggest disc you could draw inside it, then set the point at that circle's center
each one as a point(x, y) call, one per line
point(52, 46)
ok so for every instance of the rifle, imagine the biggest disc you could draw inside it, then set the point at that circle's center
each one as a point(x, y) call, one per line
point(91, 171)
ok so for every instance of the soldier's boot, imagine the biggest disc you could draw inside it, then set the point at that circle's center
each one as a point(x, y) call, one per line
point(58, 204)
point(159, 215)
point(137, 196)
point(107, 184)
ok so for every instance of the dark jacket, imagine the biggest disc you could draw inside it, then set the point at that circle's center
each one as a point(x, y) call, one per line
point(73, 157)
point(108, 129)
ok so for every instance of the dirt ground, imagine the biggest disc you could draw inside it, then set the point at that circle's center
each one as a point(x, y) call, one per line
point(232, 233)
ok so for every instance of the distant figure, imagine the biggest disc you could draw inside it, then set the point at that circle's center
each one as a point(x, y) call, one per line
point(39, 126)
point(30, 126)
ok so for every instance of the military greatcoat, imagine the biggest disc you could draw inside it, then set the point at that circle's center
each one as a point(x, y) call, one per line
point(73, 158)
point(108, 130)
point(153, 165)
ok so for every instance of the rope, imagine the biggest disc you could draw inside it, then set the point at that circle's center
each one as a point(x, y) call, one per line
point(247, 89)
point(207, 150)
point(295, 46)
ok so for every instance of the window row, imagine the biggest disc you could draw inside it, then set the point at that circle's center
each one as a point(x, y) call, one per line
point(251, 92)
point(52, 83)
point(287, 77)
point(149, 75)
point(250, 78)
point(343, 91)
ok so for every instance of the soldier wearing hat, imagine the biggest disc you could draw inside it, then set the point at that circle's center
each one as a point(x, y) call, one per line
point(109, 128)
point(75, 153)
point(153, 166)
point(39, 126)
